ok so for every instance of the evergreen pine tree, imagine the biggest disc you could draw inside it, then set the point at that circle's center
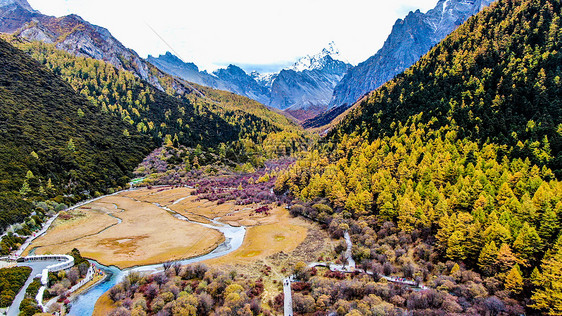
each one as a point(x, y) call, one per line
point(514, 280)
point(488, 257)
point(548, 297)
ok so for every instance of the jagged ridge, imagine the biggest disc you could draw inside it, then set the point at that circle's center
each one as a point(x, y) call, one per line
point(410, 39)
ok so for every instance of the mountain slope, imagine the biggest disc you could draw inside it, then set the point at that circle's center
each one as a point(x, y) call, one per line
point(70, 33)
point(61, 138)
point(190, 115)
point(410, 39)
point(133, 100)
point(497, 77)
point(442, 174)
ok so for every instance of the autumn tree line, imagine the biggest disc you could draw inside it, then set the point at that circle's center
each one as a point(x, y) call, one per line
point(462, 155)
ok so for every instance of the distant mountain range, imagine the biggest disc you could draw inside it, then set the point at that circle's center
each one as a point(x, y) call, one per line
point(306, 87)
point(411, 38)
point(323, 84)
point(302, 89)
point(313, 85)
point(232, 78)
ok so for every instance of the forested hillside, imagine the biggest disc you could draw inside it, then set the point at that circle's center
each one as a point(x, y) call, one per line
point(498, 77)
point(55, 142)
point(139, 104)
point(254, 120)
point(449, 164)
point(187, 114)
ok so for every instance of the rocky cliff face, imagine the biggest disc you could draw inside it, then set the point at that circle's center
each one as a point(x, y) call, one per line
point(307, 87)
point(410, 39)
point(238, 81)
point(70, 33)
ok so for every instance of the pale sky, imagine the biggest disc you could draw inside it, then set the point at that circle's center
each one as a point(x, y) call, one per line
point(249, 33)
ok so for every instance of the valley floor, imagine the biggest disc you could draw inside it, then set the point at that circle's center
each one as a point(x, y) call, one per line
point(134, 228)
point(119, 230)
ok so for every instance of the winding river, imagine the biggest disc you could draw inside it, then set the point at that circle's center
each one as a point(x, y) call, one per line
point(85, 302)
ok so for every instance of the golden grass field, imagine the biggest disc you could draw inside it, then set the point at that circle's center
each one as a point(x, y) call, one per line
point(278, 232)
point(265, 235)
point(162, 196)
point(146, 235)
point(276, 240)
point(149, 234)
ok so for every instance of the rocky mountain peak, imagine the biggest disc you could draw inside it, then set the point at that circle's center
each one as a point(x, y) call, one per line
point(70, 33)
point(319, 60)
point(236, 70)
point(21, 3)
point(452, 12)
point(172, 61)
point(411, 38)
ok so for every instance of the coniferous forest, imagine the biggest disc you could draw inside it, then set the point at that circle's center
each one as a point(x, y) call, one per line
point(458, 160)
point(136, 109)
point(55, 142)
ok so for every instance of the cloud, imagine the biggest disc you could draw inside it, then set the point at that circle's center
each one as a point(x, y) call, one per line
point(250, 32)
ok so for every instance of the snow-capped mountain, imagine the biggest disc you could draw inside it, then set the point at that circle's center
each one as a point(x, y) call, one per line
point(305, 88)
point(411, 38)
point(319, 60)
point(265, 80)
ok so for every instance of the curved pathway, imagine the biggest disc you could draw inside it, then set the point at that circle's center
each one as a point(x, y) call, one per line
point(38, 268)
point(349, 267)
point(38, 234)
